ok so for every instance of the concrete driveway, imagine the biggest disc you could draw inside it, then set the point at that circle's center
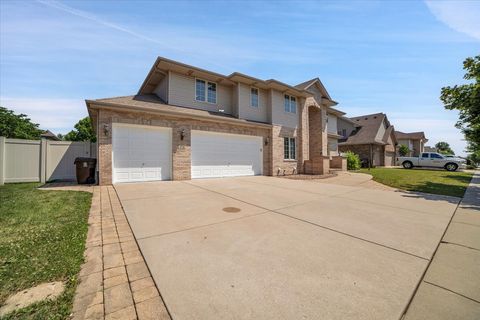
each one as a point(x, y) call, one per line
point(272, 248)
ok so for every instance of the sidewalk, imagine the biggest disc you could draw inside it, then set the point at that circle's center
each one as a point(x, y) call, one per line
point(450, 288)
point(114, 281)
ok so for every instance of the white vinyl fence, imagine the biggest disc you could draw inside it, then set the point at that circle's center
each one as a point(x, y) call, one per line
point(40, 160)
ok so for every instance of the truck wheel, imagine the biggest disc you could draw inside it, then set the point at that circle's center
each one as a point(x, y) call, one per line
point(451, 167)
point(407, 165)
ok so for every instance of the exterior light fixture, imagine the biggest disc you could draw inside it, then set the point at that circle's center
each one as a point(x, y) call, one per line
point(182, 134)
point(266, 141)
point(106, 129)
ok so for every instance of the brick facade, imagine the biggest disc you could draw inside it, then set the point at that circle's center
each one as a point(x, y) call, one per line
point(181, 149)
point(310, 135)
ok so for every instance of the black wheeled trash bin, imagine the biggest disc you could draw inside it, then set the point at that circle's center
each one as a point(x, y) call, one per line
point(85, 169)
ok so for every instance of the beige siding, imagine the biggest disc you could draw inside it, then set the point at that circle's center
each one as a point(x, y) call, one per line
point(317, 95)
point(182, 93)
point(332, 147)
point(245, 110)
point(381, 132)
point(342, 124)
point(162, 89)
point(332, 123)
point(279, 116)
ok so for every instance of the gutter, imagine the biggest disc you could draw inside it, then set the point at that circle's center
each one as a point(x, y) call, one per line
point(96, 105)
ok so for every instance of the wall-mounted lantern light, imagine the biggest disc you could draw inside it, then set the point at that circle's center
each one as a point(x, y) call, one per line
point(267, 141)
point(106, 129)
point(182, 134)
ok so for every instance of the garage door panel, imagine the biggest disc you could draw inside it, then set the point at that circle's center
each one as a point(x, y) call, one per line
point(225, 155)
point(141, 153)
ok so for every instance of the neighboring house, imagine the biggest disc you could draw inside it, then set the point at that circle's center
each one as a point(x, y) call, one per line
point(371, 137)
point(415, 141)
point(429, 149)
point(49, 135)
point(186, 122)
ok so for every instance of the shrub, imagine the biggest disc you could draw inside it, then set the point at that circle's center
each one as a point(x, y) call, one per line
point(353, 161)
point(403, 150)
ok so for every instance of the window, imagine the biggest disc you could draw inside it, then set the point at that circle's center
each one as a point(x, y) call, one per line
point(200, 90)
point(254, 97)
point(424, 155)
point(289, 148)
point(211, 91)
point(290, 104)
point(435, 156)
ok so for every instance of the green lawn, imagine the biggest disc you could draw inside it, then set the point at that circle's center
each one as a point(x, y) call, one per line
point(42, 239)
point(422, 180)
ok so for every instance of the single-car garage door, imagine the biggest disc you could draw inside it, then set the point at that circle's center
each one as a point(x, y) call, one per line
point(141, 153)
point(225, 155)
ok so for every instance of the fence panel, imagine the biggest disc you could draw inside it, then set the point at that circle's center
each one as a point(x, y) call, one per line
point(40, 160)
point(60, 158)
point(22, 160)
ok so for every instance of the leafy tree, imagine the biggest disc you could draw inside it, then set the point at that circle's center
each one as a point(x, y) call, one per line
point(473, 159)
point(403, 150)
point(466, 99)
point(17, 125)
point(353, 161)
point(444, 148)
point(83, 131)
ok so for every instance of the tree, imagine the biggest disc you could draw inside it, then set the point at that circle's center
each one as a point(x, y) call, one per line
point(403, 150)
point(444, 148)
point(466, 99)
point(17, 125)
point(83, 131)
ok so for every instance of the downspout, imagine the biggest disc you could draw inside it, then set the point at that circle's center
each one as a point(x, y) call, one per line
point(370, 162)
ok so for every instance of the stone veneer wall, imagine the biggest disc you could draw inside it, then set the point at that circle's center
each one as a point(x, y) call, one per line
point(181, 151)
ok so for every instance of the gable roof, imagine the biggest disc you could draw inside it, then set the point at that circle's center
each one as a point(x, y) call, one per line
point(315, 81)
point(368, 129)
point(420, 135)
point(49, 135)
point(162, 65)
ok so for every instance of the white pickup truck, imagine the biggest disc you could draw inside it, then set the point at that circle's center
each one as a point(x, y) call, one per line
point(432, 159)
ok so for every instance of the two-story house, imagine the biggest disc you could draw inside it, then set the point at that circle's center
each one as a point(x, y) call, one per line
point(415, 142)
point(186, 122)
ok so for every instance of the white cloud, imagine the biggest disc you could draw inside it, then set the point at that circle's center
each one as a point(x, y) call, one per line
point(461, 16)
point(56, 115)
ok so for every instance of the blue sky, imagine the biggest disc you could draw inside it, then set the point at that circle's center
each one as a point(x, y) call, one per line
point(372, 56)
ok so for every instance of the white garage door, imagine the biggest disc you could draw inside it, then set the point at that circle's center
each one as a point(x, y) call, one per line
point(225, 155)
point(141, 153)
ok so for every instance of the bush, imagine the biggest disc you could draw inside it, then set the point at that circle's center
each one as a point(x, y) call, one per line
point(353, 161)
point(403, 150)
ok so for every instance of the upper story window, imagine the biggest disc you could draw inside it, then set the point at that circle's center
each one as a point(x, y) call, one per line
point(254, 97)
point(205, 91)
point(342, 132)
point(290, 104)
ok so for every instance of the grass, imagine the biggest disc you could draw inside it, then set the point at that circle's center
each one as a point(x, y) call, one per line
point(42, 239)
point(422, 180)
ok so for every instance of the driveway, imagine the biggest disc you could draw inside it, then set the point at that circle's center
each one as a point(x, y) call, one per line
point(272, 248)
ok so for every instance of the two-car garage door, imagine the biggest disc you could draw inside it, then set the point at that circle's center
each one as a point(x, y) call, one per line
point(144, 153)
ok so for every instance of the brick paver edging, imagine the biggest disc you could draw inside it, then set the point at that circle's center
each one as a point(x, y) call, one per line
point(114, 281)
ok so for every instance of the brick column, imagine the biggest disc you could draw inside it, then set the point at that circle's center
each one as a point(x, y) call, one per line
point(181, 152)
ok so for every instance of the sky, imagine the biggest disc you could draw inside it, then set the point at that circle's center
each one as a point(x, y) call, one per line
point(372, 56)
